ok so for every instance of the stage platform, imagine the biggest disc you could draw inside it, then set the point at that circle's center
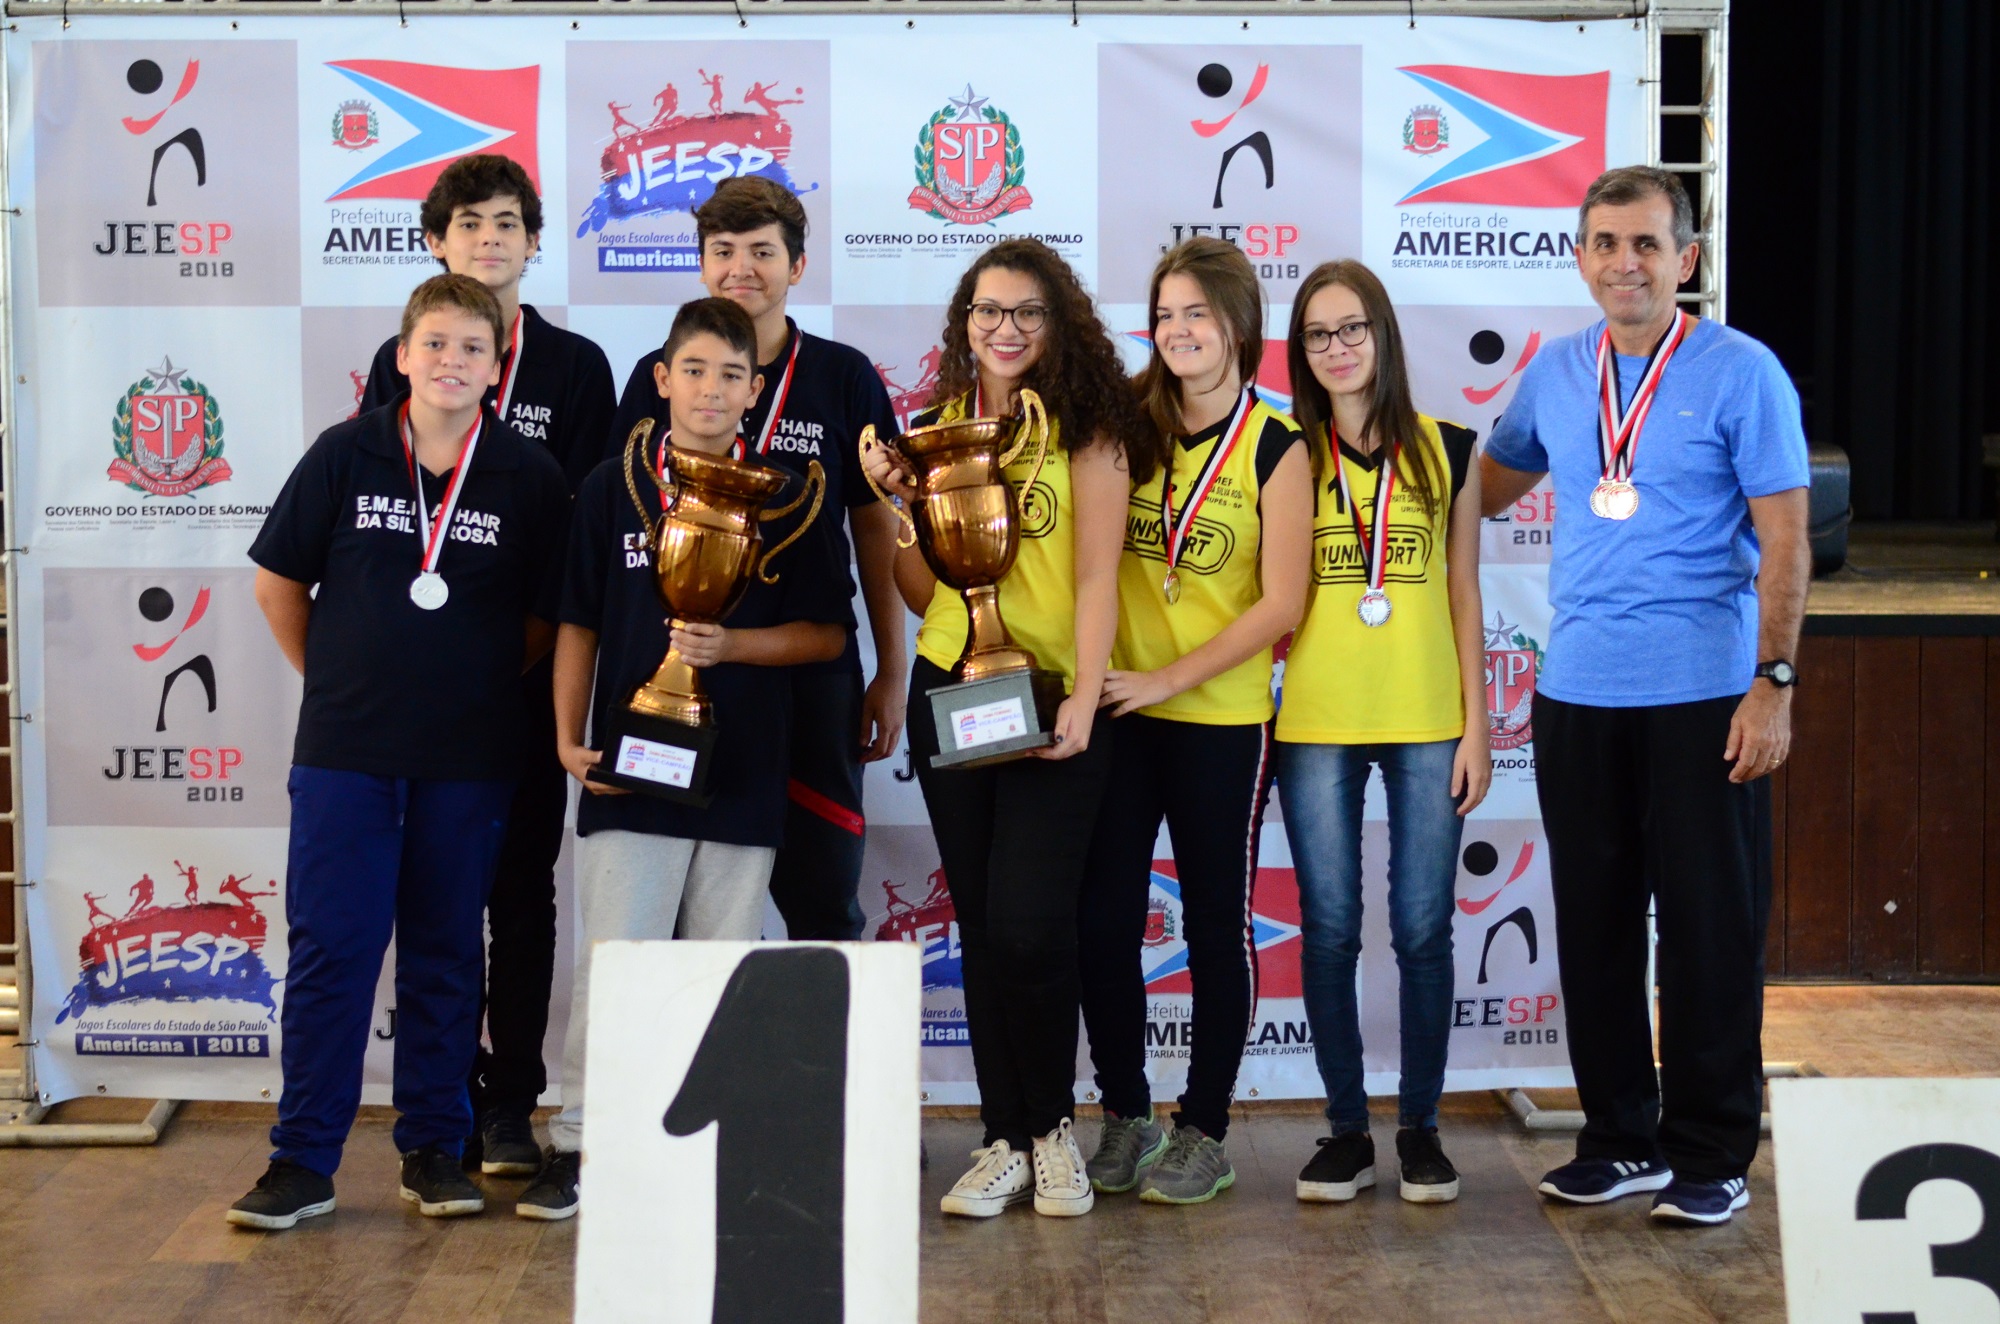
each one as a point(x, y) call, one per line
point(115, 1235)
point(1916, 579)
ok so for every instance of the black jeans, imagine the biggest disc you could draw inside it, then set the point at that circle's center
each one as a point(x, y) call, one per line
point(508, 1075)
point(1637, 803)
point(1210, 783)
point(1012, 839)
point(818, 871)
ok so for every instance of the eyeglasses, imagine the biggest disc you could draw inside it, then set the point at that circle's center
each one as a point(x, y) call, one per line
point(1318, 338)
point(1028, 317)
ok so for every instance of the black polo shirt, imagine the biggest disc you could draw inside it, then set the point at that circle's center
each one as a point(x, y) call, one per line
point(609, 589)
point(835, 392)
point(563, 399)
point(392, 689)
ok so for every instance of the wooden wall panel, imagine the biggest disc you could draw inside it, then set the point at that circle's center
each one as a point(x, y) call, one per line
point(1886, 805)
point(1774, 937)
point(1951, 738)
point(1819, 813)
point(1991, 964)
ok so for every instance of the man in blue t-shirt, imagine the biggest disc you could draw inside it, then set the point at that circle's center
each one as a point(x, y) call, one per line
point(1678, 582)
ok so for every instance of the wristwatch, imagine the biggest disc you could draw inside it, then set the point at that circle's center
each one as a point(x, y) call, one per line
point(1780, 673)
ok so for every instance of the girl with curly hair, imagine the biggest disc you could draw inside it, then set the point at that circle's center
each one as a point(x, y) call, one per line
point(1012, 836)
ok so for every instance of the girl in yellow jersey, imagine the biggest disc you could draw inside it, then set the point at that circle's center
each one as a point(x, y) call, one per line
point(1385, 672)
point(1217, 549)
point(1012, 836)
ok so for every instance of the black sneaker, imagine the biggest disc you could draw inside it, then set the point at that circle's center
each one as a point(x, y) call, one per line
point(434, 1183)
point(1341, 1170)
point(507, 1145)
point(282, 1196)
point(553, 1194)
point(1428, 1177)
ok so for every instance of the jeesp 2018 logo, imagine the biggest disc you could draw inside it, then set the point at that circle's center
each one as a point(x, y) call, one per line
point(970, 163)
point(167, 435)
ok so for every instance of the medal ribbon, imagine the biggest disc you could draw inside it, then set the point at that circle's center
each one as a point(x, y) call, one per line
point(1375, 542)
point(433, 535)
point(1618, 431)
point(770, 428)
point(512, 372)
point(1175, 535)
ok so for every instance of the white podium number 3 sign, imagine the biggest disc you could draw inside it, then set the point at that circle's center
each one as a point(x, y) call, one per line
point(1889, 1200)
point(733, 1088)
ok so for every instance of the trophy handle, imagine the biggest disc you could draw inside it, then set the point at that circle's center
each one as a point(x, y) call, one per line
point(1035, 428)
point(639, 439)
point(816, 484)
point(907, 535)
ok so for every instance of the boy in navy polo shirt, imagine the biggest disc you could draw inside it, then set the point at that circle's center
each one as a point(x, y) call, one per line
point(817, 397)
point(409, 570)
point(483, 219)
point(646, 866)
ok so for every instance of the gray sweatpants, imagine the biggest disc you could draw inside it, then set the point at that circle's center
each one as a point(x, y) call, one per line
point(637, 886)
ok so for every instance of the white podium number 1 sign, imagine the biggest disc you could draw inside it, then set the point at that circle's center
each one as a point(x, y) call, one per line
point(750, 1134)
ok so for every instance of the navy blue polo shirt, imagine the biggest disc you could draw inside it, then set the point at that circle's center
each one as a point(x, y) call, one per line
point(563, 399)
point(609, 590)
point(391, 689)
point(835, 392)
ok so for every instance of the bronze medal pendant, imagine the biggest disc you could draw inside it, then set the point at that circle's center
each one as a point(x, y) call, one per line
point(1615, 497)
point(1174, 529)
point(1373, 608)
point(1171, 586)
point(1620, 500)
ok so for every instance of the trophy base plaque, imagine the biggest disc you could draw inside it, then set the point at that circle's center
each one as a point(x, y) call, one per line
point(981, 722)
point(658, 757)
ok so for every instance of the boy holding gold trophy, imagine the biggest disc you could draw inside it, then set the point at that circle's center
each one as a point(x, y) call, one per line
point(693, 849)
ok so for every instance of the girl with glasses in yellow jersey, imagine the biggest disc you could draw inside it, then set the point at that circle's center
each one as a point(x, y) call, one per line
point(1217, 549)
point(1012, 836)
point(1388, 671)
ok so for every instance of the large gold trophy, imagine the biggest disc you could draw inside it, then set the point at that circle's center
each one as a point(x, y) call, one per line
point(705, 545)
point(966, 520)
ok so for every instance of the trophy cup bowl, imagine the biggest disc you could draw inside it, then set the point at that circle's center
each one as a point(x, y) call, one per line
point(705, 545)
point(965, 520)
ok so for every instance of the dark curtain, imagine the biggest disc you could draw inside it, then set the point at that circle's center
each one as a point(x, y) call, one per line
point(1863, 143)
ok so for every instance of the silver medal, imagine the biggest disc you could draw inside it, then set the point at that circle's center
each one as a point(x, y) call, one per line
point(1373, 608)
point(428, 590)
point(1612, 499)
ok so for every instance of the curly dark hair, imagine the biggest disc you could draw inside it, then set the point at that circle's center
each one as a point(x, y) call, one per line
point(471, 180)
point(1079, 374)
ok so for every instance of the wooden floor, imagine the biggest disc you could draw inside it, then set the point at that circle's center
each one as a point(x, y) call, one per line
point(137, 1234)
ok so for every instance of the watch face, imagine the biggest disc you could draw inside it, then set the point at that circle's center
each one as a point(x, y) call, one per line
point(1781, 673)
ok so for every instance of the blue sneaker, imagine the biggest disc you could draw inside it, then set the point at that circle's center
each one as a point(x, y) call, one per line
point(1705, 1202)
point(1594, 1181)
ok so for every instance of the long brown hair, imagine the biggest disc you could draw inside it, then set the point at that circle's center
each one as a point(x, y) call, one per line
point(1392, 417)
point(1234, 295)
point(1078, 374)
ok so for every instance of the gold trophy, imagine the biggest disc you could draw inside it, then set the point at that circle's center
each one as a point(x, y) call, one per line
point(705, 545)
point(966, 520)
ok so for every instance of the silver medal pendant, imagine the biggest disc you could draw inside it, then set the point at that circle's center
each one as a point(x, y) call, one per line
point(1171, 586)
point(428, 590)
point(1373, 608)
point(1612, 499)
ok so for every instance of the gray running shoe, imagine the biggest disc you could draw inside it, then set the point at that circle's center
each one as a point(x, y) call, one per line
point(1125, 1146)
point(1193, 1169)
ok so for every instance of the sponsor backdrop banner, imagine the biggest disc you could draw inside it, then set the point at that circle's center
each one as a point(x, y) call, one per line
point(219, 222)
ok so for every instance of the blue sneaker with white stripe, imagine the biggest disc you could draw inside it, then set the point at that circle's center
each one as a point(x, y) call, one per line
point(1594, 1180)
point(1707, 1202)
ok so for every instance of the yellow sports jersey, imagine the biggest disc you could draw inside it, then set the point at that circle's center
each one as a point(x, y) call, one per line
point(1038, 596)
point(1348, 683)
point(1217, 576)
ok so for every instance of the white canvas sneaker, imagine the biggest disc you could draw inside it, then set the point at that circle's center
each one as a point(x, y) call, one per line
point(1061, 1188)
point(998, 1177)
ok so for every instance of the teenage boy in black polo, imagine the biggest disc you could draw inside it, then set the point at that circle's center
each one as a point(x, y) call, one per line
point(817, 397)
point(646, 866)
point(434, 536)
point(483, 219)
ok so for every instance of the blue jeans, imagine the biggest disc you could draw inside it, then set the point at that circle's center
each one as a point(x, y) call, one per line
point(1322, 786)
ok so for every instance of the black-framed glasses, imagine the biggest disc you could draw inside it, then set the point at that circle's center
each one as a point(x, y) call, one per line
point(1316, 339)
point(1028, 317)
